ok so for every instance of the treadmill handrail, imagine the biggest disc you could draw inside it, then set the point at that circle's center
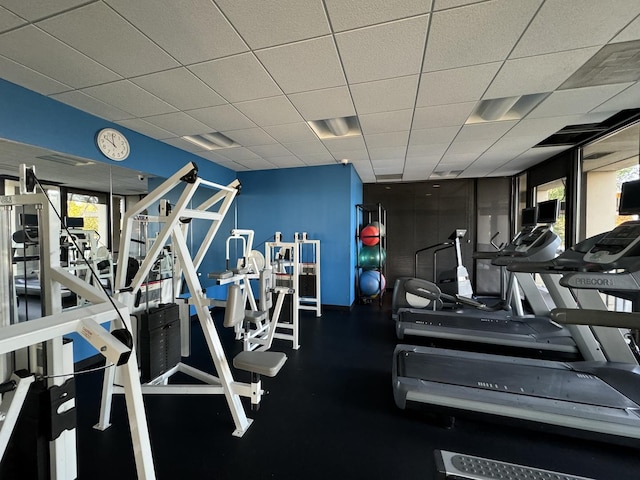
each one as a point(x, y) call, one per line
point(603, 318)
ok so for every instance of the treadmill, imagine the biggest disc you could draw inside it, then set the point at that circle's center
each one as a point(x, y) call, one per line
point(470, 324)
point(587, 397)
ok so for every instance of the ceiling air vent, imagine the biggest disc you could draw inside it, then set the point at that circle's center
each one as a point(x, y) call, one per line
point(389, 177)
point(614, 63)
point(336, 127)
point(211, 141)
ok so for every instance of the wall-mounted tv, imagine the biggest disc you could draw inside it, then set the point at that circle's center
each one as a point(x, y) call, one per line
point(630, 198)
point(548, 211)
point(529, 217)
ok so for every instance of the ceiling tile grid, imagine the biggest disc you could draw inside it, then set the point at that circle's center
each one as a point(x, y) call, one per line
point(411, 72)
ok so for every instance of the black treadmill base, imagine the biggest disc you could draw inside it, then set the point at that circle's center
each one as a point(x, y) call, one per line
point(450, 418)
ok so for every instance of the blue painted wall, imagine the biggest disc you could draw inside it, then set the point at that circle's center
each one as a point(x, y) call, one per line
point(356, 199)
point(34, 119)
point(317, 200)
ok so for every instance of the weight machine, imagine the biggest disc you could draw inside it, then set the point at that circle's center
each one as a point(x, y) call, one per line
point(173, 229)
point(33, 351)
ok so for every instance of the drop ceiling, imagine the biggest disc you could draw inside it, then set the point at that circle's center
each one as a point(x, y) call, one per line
point(411, 72)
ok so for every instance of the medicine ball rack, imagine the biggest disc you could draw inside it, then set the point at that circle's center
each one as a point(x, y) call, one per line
point(371, 215)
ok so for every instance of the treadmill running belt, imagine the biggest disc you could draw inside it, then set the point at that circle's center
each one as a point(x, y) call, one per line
point(468, 321)
point(552, 383)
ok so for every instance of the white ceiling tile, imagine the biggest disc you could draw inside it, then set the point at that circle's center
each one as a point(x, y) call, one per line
point(222, 117)
point(145, 128)
point(445, 4)
point(37, 9)
point(351, 155)
point(341, 144)
point(223, 76)
point(575, 101)
point(250, 136)
point(385, 95)
point(307, 148)
point(431, 150)
point(455, 160)
point(179, 123)
point(90, 28)
point(631, 32)
point(484, 131)
point(87, 103)
point(303, 66)
point(456, 85)
point(52, 58)
point(270, 111)
point(384, 51)
point(385, 122)
point(394, 139)
point(28, 78)
point(190, 30)
point(263, 24)
point(130, 98)
point(469, 149)
point(291, 133)
point(256, 164)
point(442, 115)
point(431, 136)
point(415, 163)
point(593, 22)
point(479, 33)
point(628, 98)
point(9, 20)
point(541, 127)
point(192, 93)
point(318, 159)
point(270, 151)
point(386, 153)
point(542, 73)
point(350, 15)
point(287, 162)
point(215, 156)
point(238, 153)
point(322, 104)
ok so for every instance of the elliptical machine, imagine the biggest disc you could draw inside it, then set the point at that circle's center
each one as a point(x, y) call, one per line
point(452, 287)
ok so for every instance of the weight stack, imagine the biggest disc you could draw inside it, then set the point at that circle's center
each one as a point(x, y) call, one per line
point(159, 340)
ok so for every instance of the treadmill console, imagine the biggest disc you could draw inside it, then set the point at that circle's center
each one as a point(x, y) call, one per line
point(525, 242)
point(619, 242)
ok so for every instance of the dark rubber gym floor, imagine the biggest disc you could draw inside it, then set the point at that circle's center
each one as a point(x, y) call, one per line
point(329, 415)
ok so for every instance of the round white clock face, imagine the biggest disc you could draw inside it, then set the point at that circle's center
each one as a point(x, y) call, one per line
point(113, 144)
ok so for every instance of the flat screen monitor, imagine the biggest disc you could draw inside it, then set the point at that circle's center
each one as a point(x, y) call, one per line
point(28, 219)
point(75, 222)
point(630, 198)
point(548, 211)
point(529, 217)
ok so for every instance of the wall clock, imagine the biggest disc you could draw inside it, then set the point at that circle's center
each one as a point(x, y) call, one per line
point(113, 144)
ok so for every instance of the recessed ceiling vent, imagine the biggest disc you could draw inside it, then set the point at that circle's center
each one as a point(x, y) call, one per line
point(336, 127)
point(505, 108)
point(446, 174)
point(613, 63)
point(211, 141)
point(389, 177)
